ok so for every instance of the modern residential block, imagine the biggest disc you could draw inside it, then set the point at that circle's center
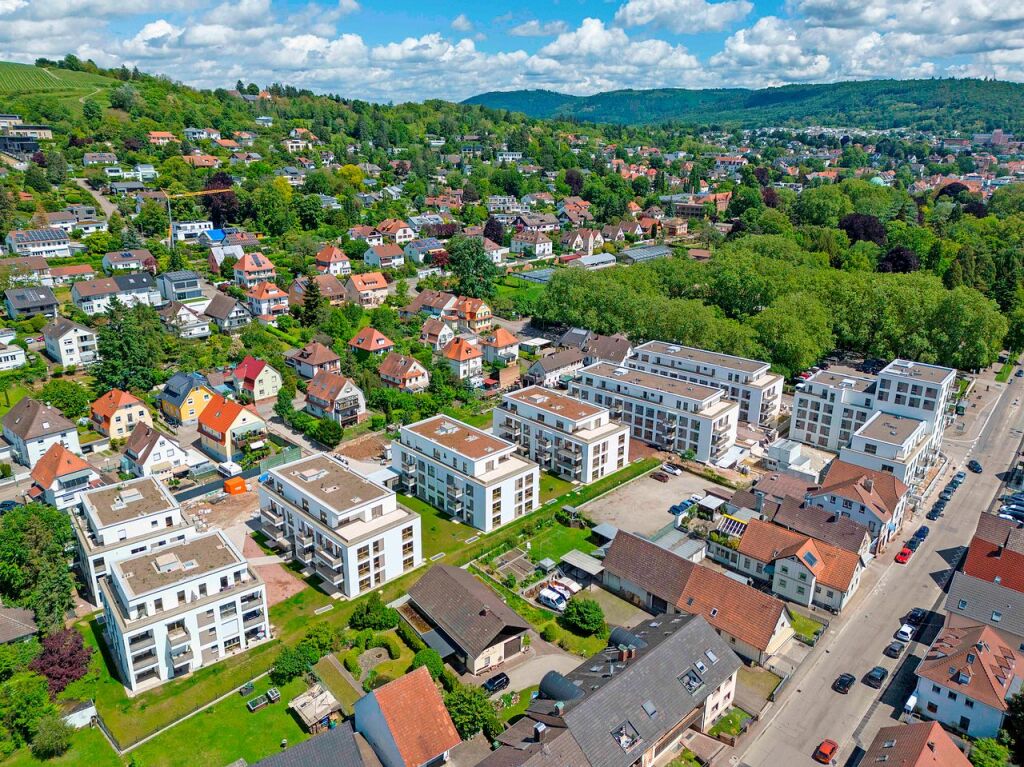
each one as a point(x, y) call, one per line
point(475, 477)
point(573, 439)
point(351, 530)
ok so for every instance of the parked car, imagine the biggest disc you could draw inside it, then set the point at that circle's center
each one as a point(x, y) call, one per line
point(1019, 374)
point(922, 532)
point(904, 556)
point(916, 616)
point(959, 476)
point(933, 515)
point(551, 598)
point(681, 508)
point(894, 649)
point(496, 683)
point(945, 495)
point(906, 633)
point(660, 476)
point(843, 683)
point(671, 469)
point(974, 467)
point(876, 677)
point(825, 752)
point(564, 586)
point(6, 506)
point(913, 543)
point(675, 466)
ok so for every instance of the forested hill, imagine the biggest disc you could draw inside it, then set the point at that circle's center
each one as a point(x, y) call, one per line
point(941, 105)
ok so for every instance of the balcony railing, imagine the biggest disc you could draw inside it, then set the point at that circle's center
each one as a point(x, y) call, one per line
point(330, 576)
point(140, 643)
point(178, 636)
point(332, 560)
point(254, 620)
point(144, 661)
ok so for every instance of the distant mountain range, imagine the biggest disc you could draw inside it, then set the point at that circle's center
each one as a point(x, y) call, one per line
point(939, 105)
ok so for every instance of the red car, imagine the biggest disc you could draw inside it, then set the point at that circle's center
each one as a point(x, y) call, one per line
point(660, 476)
point(825, 752)
point(904, 555)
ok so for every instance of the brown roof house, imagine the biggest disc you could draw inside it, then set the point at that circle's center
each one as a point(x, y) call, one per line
point(755, 625)
point(876, 499)
point(799, 568)
point(436, 334)
point(406, 722)
point(402, 372)
point(314, 358)
point(920, 744)
point(332, 395)
point(465, 620)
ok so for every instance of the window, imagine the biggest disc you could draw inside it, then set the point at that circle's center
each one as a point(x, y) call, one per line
point(936, 688)
point(969, 703)
point(951, 695)
point(996, 616)
point(932, 708)
point(962, 604)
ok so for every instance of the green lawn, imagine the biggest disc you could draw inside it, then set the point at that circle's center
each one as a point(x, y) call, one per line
point(339, 686)
point(760, 681)
point(511, 713)
point(438, 532)
point(552, 486)
point(509, 287)
point(227, 731)
point(11, 396)
point(556, 541)
point(88, 747)
point(393, 669)
point(804, 627)
point(1006, 370)
point(482, 420)
point(685, 759)
point(730, 723)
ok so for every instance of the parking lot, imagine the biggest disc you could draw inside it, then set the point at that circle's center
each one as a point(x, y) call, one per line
point(641, 506)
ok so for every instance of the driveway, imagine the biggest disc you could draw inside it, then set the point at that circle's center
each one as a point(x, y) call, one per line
point(641, 506)
point(542, 658)
point(104, 204)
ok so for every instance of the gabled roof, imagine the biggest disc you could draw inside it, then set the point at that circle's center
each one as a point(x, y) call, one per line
point(368, 281)
point(371, 340)
point(400, 367)
point(16, 623)
point(57, 462)
point(337, 746)
point(995, 563)
point(920, 744)
point(432, 329)
point(327, 386)
point(143, 439)
point(30, 419)
point(112, 401)
point(877, 490)
point(266, 290)
point(429, 299)
point(558, 360)
point(501, 339)
point(62, 325)
point(315, 353)
point(832, 566)
point(179, 386)
point(466, 610)
point(974, 661)
point(391, 225)
point(249, 369)
point(330, 254)
point(614, 348)
point(1004, 532)
point(387, 250)
point(221, 307)
point(416, 717)
point(730, 606)
point(220, 413)
point(461, 350)
point(977, 601)
point(254, 262)
point(819, 523)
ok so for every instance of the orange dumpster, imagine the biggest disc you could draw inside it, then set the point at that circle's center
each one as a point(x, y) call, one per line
point(234, 486)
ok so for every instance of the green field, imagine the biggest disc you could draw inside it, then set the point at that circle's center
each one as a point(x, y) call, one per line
point(25, 78)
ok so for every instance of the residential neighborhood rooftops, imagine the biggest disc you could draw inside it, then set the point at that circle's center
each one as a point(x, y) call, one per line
point(878, 490)
point(115, 399)
point(56, 462)
point(459, 437)
point(337, 746)
point(974, 661)
point(819, 523)
point(31, 419)
point(114, 504)
point(330, 483)
point(830, 565)
point(327, 386)
point(16, 623)
point(371, 340)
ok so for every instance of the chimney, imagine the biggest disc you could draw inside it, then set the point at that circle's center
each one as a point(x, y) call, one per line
point(931, 745)
point(869, 484)
point(485, 610)
point(538, 731)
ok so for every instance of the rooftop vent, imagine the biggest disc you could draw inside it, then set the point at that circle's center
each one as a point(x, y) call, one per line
point(167, 563)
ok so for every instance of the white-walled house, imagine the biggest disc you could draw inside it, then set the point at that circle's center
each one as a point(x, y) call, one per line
point(68, 343)
point(875, 499)
point(32, 428)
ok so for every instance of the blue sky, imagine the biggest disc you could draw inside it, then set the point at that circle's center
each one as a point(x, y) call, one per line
point(412, 50)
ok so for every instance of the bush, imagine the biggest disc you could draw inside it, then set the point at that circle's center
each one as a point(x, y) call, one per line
point(372, 613)
point(389, 643)
point(291, 662)
point(378, 422)
point(351, 662)
point(448, 679)
point(323, 637)
point(509, 582)
point(64, 659)
point(410, 637)
point(431, 659)
point(471, 712)
point(583, 616)
point(53, 737)
point(549, 633)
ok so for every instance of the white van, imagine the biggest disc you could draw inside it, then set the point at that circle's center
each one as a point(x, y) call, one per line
point(551, 598)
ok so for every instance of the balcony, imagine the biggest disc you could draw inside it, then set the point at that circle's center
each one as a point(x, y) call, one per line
point(331, 560)
point(184, 657)
point(454, 492)
point(178, 636)
point(252, 602)
point(329, 575)
point(141, 642)
point(145, 661)
point(272, 515)
point(305, 540)
point(205, 620)
point(253, 620)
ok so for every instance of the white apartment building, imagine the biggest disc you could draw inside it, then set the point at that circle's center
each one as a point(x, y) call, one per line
point(11, 357)
point(170, 611)
point(573, 439)
point(829, 407)
point(668, 413)
point(350, 530)
point(917, 390)
point(474, 476)
point(119, 521)
point(750, 383)
point(189, 230)
point(68, 343)
point(892, 444)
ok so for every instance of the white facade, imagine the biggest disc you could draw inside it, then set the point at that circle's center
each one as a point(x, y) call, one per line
point(748, 382)
point(666, 412)
point(171, 611)
point(350, 530)
point(891, 444)
point(576, 441)
point(465, 472)
point(48, 243)
point(189, 230)
point(828, 408)
point(28, 452)
point(11, 357)
point(70, 344)
point(119, 521)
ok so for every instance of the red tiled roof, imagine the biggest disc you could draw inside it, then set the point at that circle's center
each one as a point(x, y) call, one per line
point(330, 254)
point(369, 281)
point(501, 339)
point(730, 606)
point(267, 290)
point(991, 561)
point(831, 565)
point(56, 462)
point(878, 490)
point(249, 369)
point(111, 402)
point(416, 716)
point(461, 350)
point(370, 340)
point(219, 414)
point(254, 262)
point(400, 367)
point(972, 660)
point(921, 744)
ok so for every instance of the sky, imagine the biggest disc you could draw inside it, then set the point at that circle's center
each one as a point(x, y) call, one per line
point(410, 50)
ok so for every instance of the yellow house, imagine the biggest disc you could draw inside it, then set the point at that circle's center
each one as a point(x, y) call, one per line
point(185, 397)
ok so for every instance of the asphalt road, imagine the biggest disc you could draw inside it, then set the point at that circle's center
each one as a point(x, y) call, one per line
point(809, 710)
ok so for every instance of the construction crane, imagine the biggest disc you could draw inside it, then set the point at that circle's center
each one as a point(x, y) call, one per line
point(170, 216)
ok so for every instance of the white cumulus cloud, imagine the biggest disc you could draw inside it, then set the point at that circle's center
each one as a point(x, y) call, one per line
point(683, 16)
